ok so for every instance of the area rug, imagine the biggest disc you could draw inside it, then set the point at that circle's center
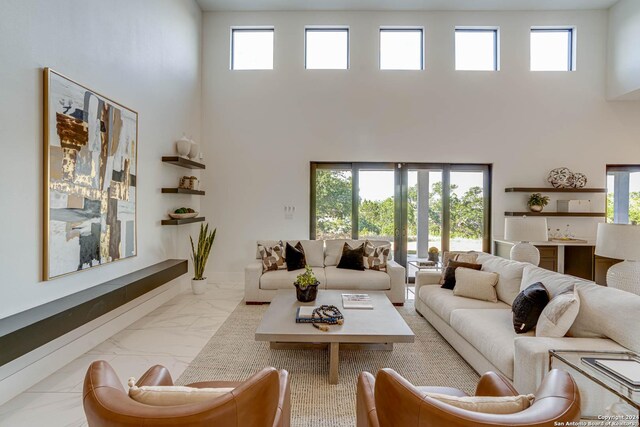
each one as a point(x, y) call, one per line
point(232, 354)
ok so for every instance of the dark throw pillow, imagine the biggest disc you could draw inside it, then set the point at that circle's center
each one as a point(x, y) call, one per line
point(294, 255)
point(448, 280)
point(528, 306)
point(352, 259)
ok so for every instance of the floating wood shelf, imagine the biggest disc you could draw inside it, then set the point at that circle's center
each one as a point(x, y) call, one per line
point(182, 191)
point(182, 221)
point(182, 162)
point(553, 190)
point(566, 214)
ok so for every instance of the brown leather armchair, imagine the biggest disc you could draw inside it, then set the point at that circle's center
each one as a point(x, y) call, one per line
point(263, 400)
point(389, 400)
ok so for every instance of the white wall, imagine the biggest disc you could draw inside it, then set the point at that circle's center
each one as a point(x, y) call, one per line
point(624, 51)
point(262, 128)
point(143, 54)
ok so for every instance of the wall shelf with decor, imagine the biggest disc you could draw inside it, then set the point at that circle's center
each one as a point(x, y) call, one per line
point(182, 221)
point(182, 162)
point(183, 191)
point(553, 190)
point(565, 214)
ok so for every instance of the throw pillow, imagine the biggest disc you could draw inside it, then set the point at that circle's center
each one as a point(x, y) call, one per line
point(294, 255)
point(375, 257)
point(469, 257)
point(352, 259)
point(476, 284)
point(528, 306)
point(487, 404)
point(558, 316)
point(173, 395)
point(273, 257)
point(448, 279)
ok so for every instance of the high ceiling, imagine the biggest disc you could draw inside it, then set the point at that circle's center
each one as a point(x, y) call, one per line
point(389, 5)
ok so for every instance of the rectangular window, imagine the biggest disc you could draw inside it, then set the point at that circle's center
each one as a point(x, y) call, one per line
point(552, 49)
point(623, 194)
point(401, 49)
point(252, 48)
point(326, 48)
point(477, 49)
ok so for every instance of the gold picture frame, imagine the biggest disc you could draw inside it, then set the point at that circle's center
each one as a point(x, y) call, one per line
point(90, 178)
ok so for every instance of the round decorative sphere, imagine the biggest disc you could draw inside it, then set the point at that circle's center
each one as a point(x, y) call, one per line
point(561, 178)
point(579, 180)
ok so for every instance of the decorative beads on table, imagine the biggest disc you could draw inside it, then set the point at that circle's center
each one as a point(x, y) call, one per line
point(326, 315)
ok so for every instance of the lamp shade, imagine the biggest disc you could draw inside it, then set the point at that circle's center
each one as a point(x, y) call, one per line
point(619, 241)
point(526, 229)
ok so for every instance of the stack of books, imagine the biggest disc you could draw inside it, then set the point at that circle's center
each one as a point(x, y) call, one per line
point(362, 301)
point(304, 315)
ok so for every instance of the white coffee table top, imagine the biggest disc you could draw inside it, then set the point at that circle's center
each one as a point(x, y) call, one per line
point(383, 324)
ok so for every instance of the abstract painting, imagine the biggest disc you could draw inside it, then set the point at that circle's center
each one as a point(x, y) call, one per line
point(90, 162)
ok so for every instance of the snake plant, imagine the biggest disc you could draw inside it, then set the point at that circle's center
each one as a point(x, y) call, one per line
point(200, 254)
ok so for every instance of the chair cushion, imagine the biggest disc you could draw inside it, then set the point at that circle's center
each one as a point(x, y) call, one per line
point(174, 395)
point(283, 279)
point(508, 286)
point(443, 302)
point(487, 404)
point(338, 278)
point(491, 333)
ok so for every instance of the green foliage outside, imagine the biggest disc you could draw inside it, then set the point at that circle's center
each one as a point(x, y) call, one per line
point(376, 217)
point(634, 207)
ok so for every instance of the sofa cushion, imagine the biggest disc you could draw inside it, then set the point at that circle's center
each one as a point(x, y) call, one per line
point(273, 257)
point(448, 279)
point(528, 306)
point(491, 333)
point(352, 258)
point(283, 279)
point(555, 283)
point(313, 250)
point(295, 256)
point(333, 249)
point(508, 286)
point(476, 284)
point(558, 316)
point(351, 279)
point(375, 257)
point(608, 312)
point(443, 302)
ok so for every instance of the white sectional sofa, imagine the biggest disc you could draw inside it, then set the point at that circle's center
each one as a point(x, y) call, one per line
point(323, 256)
point(482, 332)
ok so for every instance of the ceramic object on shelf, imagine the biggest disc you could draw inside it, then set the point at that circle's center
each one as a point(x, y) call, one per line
point(183, 215)
point(535, 208)
point(561, 178)
point(194, 149)
point(183, 146)
point(579, 180)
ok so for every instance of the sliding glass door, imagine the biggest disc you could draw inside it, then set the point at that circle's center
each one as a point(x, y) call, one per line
point(416, 206)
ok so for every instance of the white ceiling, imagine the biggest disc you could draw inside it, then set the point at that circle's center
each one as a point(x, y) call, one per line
point(390, 5)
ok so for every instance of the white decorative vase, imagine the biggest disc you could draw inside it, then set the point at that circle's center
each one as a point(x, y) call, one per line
point(183, 146)
point(198, 286)
point(194, 150)
point(525, 252)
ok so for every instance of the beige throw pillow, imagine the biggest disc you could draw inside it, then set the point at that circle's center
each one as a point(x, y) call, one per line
point(173, 395)
point(487, 404)
point(476, 284)
point(470, 257)
point(559, 314)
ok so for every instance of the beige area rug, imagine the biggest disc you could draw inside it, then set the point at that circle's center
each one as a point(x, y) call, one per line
point(232, 354)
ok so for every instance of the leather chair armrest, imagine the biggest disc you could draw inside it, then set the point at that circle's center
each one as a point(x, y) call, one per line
point(366, 415)
point(283, 413)
point(155, 375)
point(494, 384)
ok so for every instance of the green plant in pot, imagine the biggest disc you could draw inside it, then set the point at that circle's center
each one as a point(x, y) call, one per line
point(199, 256)
point(537, 202)
point(434, 253)
point(306, 285)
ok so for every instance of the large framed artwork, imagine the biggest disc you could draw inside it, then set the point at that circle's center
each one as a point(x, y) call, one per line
point(90, 170)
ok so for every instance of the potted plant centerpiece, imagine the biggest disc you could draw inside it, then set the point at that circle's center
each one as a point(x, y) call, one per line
point(199, 256)
point(434, 253)
point(306, 285)
point(537, 202)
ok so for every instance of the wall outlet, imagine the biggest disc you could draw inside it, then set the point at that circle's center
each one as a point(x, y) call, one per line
point(289, 211)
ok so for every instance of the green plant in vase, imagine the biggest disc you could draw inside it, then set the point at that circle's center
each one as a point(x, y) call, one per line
point(434, 253)
point(306, 285)
point(199, 256)
point(537, 202)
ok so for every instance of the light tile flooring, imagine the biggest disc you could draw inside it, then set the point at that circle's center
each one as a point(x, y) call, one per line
point(172, 335)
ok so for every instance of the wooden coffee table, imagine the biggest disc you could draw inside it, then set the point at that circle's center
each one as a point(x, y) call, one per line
point(371, 329)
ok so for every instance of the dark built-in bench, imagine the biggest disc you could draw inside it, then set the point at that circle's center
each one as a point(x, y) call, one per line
point(30, 329)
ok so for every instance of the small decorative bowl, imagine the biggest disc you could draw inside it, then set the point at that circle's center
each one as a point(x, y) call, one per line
point(183, 215)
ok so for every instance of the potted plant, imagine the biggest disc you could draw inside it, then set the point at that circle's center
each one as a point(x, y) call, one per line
point(306, 285)
point(434, 253)
point(199, 256)
point(537, 202)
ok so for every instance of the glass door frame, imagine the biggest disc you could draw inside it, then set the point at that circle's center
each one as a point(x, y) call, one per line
point(401, 187)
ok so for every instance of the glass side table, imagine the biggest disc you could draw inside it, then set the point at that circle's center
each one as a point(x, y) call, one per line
point(626, 393)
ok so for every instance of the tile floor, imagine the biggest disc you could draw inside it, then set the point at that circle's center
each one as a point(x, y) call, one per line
point(172, 335)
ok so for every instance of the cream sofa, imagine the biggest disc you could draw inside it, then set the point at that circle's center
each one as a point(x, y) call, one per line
point(482, 332)
point(323, 257)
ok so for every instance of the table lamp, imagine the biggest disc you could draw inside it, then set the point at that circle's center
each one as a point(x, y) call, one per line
point(525, 230)
point(621, 241)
